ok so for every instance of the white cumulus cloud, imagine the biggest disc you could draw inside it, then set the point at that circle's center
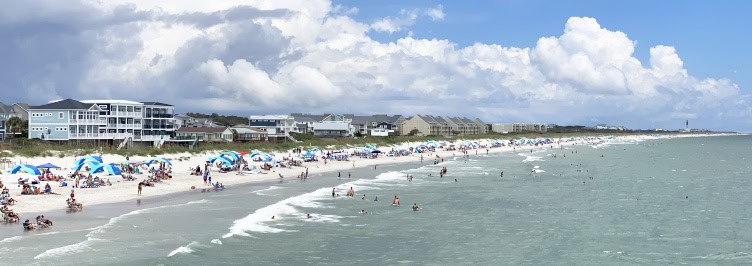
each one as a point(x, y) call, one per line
point(290, 56)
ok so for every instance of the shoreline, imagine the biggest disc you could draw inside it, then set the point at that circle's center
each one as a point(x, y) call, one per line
point(124, 191)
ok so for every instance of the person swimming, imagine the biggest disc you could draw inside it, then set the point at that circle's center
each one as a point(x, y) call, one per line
point(415, 207)
point(361, 212)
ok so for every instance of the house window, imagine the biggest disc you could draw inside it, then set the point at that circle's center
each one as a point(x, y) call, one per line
point(60, 115)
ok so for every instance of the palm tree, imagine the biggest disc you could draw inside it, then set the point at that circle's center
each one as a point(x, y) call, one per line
point(15, 125)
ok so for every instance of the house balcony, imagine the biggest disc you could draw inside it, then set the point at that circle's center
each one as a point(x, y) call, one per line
point(159, 116)
point(100, 121)
point(164, 127)
point(125, 114)
point(151, 137)
point(99, 135)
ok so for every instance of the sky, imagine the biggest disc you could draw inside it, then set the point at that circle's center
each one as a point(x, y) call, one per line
point(640, 64)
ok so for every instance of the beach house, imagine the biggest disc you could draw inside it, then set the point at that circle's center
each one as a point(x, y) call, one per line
point(426, 125)
point(2, 128)
point(21, 110)
point(101, 120)
point(245, 133)
point(65, 120)
point(277, 127)
point(205, 134)
point(519, 127)
point(333, 126)
point(143, 121)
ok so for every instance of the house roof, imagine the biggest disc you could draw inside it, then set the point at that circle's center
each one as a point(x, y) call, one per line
point(201, 130)
point(112, 102)
point(339, 125)
point(156, 103)
point(271, 117)
point(5, 109)
point(67, 104)
point(246, 130)
point(23, 106)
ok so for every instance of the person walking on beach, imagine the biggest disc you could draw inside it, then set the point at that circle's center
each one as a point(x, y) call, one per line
point(140, 186)
point(72, 195)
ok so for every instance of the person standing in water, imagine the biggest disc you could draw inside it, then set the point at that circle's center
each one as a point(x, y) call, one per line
point(395, 201)
point(415, 207)
point(333, 195)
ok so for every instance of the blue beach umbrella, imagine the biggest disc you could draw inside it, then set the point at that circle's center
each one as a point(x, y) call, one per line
point(234, 156)
point(108, 169)
point(48, 165)
point(221, 159)
point(265, 157)
point(30, 169)
point(88, 159)
point(157, 159)
point(91, 164)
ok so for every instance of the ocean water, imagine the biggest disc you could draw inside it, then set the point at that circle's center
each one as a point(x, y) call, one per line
point(670, 201)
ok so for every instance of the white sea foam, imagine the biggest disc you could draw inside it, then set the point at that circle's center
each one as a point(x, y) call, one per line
point(530, 158)
point(260, 192)
point(260, 221)
point(216, 241)
point(187, 249)
point(68, 250)
point(11, 239)
point(91, 237)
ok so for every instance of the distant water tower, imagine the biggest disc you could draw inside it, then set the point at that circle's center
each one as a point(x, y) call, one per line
point(686, 126)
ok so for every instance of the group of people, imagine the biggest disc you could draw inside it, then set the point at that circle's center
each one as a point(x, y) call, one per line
point(5, 198)
point(41, 222)
point(8, 215)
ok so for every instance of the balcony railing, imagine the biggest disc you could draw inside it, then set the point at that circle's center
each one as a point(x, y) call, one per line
point(99, 135)
point(159, 116)
point(151, 137)
point(126, 114)
point(99, 121)
point(158, 127)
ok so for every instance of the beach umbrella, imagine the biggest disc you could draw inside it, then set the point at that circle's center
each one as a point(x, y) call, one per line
point(375, 151)
point(265, 157)
point(234, 156)
point(88, 159)
point(315, 149)
point(108, 169)
point(91, 164)
point(30, 169)
point(48, 165)
point(158, 160)
point(221, 159)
